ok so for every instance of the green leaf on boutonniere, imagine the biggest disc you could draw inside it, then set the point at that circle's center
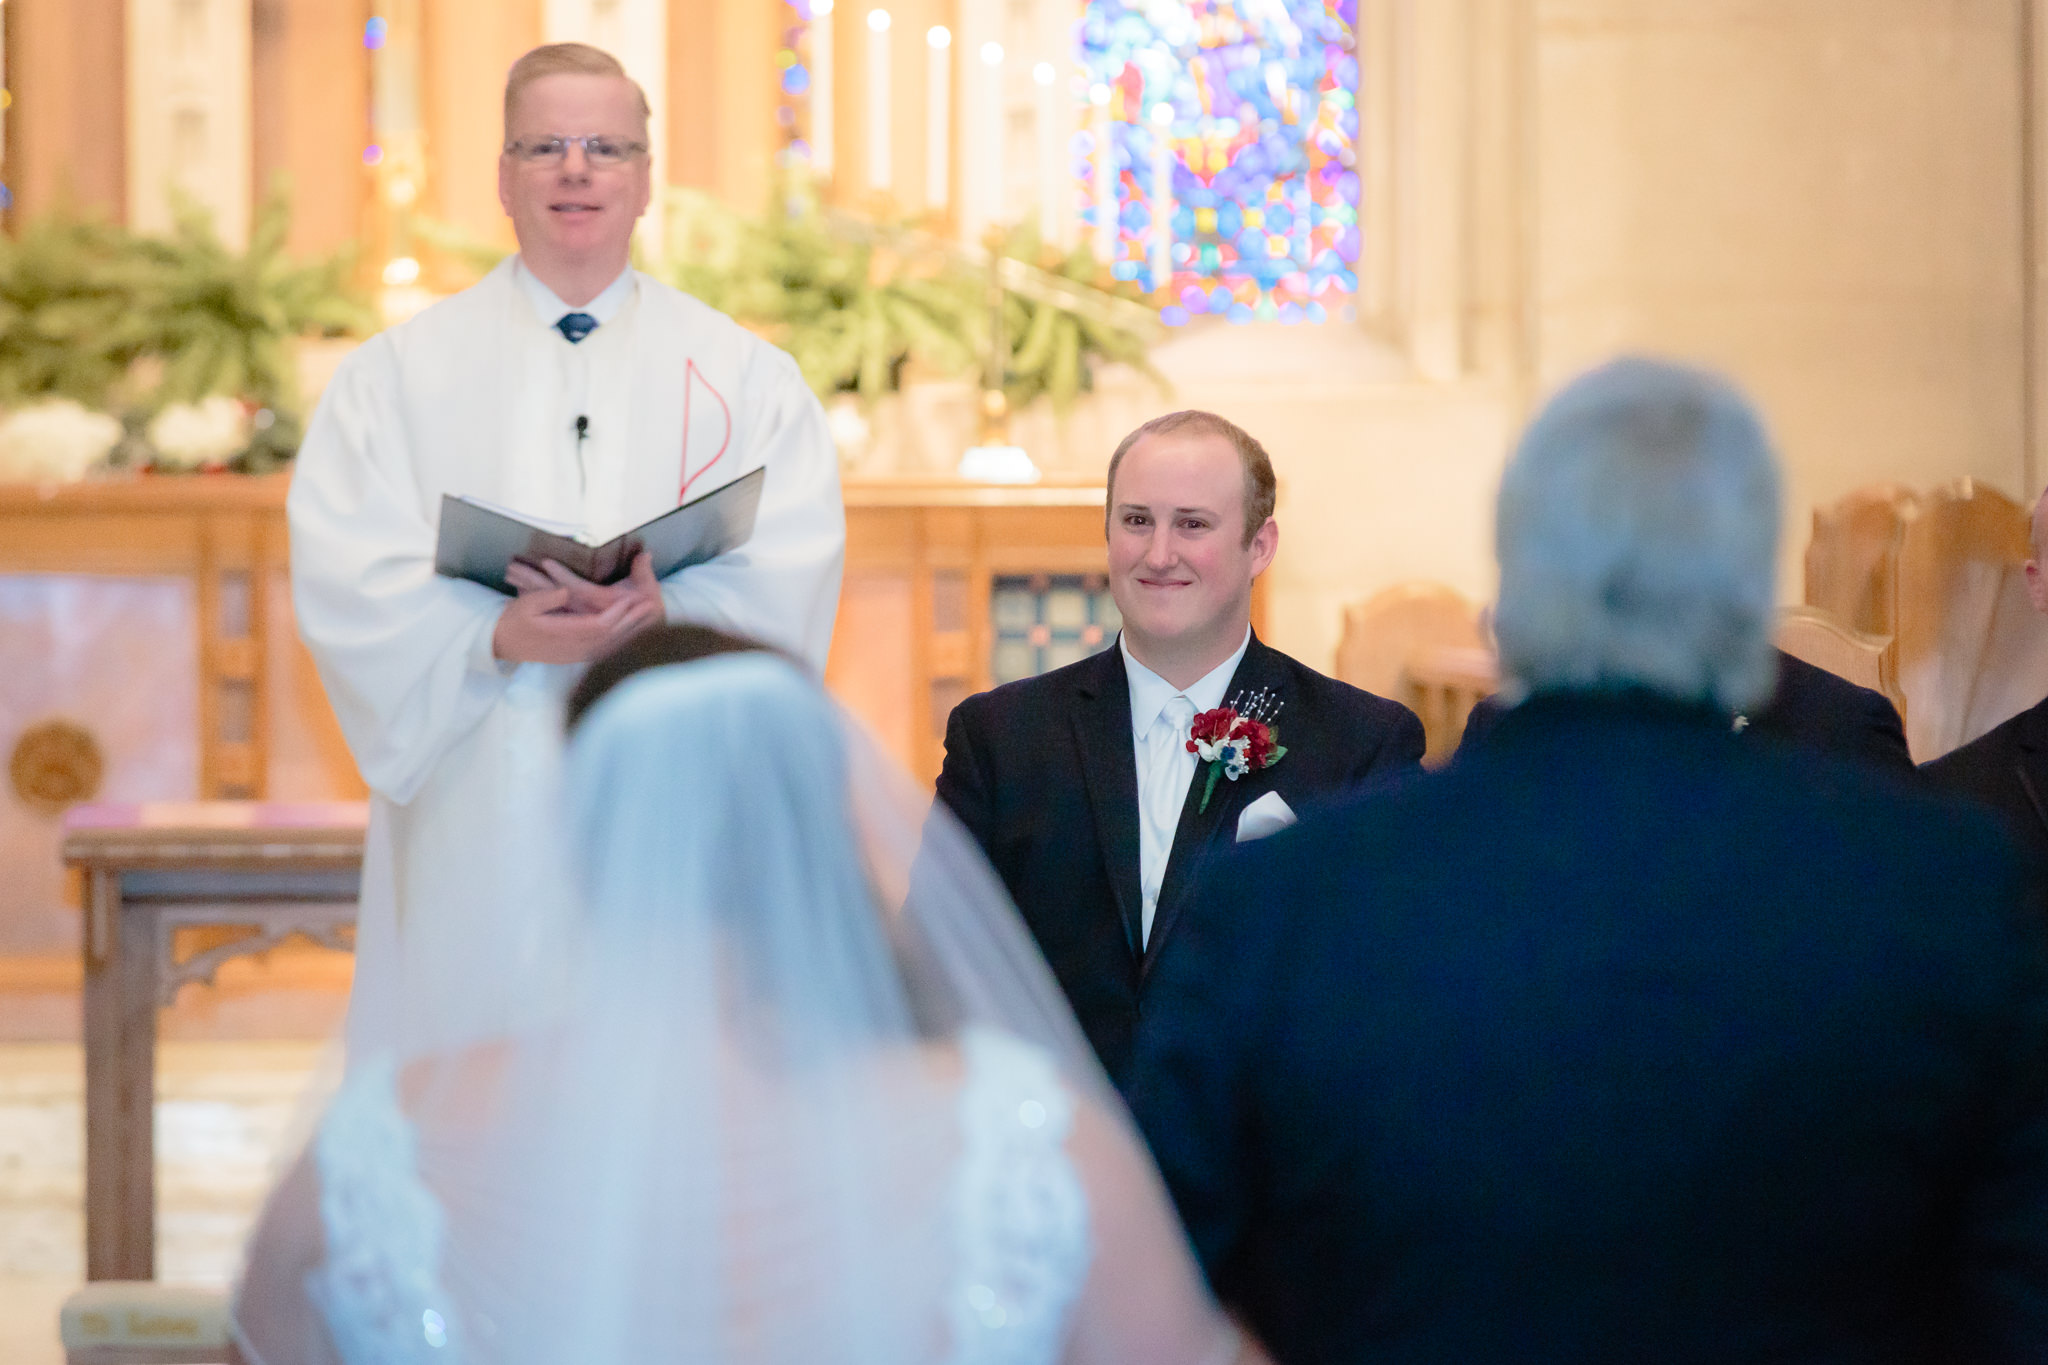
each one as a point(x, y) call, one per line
point(1209, 789)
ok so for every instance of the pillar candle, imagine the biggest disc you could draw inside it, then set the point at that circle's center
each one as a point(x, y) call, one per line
point(1162, 194)
point(878, 99)
point(1104, 168)
point(1051, 181)
point(821, 88)
point(938, 149)
point(996, 123)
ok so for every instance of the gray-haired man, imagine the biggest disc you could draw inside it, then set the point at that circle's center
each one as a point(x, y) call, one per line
point(1625, 1040)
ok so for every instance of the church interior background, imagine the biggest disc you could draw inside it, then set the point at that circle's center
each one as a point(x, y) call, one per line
point(1373, 232)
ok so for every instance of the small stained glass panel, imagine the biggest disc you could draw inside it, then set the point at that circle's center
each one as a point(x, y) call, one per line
point(1015, 608)
point(1047, 621)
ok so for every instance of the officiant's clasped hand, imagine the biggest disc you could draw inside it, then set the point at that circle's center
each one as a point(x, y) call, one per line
point(559, 618)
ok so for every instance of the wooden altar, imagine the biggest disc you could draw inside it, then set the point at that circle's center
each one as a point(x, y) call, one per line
point(227, 535)
point(913, 637)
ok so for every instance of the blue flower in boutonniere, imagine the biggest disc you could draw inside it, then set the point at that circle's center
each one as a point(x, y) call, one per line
point(1235, 739)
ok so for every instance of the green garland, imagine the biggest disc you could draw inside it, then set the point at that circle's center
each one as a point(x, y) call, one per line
point(129, 324)
point(864, 306)
point(858, 304)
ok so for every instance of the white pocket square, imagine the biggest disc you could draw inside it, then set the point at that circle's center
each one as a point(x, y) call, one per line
point(1267, 815)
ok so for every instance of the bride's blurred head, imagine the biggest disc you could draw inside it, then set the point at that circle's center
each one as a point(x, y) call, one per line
point(712, 837)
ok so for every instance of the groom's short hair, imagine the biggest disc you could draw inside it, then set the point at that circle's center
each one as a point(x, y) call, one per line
point(1637, 534)
point(1261, 488)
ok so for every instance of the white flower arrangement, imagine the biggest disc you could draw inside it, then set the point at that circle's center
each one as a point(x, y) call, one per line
point(194, 435)
point(54, 441)
point(849, 426)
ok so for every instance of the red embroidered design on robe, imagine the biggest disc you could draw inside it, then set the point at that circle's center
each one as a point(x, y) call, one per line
point(721, 424)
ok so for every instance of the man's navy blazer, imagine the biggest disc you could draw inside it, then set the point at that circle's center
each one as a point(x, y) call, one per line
point(1622, 1039)
point(1810, 707)
point(1043, 773)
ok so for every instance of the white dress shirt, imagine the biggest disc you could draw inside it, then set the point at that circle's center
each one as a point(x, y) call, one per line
point(551, 310)
point(1160, 801)
point(574, 359)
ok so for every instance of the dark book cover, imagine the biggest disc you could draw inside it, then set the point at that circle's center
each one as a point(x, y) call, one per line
point(480, 542)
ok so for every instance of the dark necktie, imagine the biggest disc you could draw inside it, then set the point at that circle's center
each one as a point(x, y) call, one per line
point(576, 326)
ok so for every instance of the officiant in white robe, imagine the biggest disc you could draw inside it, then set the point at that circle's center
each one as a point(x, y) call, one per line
point(563, 386)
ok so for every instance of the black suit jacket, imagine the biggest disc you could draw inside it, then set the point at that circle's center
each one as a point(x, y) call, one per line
point(1619, 1040)
point(1811, 707)
point(1043, 773)
point(2006, 769)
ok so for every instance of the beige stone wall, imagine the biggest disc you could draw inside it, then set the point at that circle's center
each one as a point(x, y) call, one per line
point(1822, 197)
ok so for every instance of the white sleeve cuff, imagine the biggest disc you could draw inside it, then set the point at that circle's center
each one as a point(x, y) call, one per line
point(482, 658)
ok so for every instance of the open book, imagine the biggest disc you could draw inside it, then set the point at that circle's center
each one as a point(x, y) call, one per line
point(480, 541)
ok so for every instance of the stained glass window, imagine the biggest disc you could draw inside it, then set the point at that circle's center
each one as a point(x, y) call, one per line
point(797, 59)
point(1047, 621)
point(1239, 118)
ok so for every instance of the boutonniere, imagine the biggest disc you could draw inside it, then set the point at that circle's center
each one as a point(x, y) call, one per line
point(1239, 737)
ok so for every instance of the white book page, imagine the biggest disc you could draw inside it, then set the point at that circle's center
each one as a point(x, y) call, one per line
point(573, 530)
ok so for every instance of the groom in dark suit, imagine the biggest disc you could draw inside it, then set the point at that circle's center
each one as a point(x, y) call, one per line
point(1080, 785)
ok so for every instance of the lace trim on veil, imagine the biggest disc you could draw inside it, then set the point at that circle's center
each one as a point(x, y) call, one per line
point(1021, 1216)
point(379, 1289)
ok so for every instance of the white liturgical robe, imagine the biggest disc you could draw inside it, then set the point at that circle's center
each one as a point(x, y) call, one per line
point(464, 893)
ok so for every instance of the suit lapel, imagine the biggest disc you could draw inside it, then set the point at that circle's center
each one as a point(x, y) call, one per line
point(1109, 766)
point(1198, 828)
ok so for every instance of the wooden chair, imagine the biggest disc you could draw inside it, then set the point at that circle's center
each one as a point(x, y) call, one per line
point(1820, 638)
point(1970, 651)
point(141, 1322)
point(1852, 561)
point(1383, 632)
point(1426, 626)
point(1441, 684)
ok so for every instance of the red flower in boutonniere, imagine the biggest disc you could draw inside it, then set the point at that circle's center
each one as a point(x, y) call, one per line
point(1236, 739)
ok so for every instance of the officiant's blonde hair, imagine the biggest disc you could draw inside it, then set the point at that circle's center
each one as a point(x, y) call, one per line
point(567, 59)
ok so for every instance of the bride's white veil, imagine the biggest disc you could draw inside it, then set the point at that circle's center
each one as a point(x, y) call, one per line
point(730, 1135)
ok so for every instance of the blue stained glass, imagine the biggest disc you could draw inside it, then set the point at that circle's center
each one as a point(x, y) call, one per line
point(1263, 96)
point(1046, 621)
point(793, 112)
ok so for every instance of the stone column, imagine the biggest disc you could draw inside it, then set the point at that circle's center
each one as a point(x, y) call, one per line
point(67, 128)
point(188, 113)
point(310, 112)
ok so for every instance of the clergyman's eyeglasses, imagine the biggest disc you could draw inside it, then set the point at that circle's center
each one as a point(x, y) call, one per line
point(598, 150)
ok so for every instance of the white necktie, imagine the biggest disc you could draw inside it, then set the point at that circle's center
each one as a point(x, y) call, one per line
point(1160, 802)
